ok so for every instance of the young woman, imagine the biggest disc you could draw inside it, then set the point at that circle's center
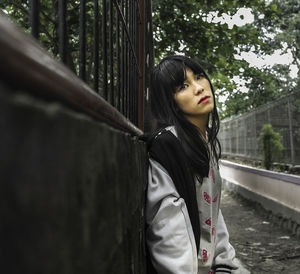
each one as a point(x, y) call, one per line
point(185, 230)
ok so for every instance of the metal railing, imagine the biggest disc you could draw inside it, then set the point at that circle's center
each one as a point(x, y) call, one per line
point(239, 136)
point(113, 61)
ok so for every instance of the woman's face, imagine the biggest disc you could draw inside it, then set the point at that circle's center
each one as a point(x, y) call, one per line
point(194, 97)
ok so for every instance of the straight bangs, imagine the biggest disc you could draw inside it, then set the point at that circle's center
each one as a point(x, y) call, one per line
point(194, 67)
point(172, 74)
point(172, 71)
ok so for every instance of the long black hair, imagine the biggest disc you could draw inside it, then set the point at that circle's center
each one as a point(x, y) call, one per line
point(165, 78)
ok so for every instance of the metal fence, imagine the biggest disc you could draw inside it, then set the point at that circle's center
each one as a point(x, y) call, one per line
point(239, 136)
point(106, 43)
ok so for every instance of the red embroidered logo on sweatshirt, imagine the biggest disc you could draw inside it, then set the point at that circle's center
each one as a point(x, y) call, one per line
point(205, 255)
point(206, 197)
point(215, 199)
point(208, 222)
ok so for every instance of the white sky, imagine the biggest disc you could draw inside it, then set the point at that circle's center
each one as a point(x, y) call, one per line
point(244, 16)
point(236, 19)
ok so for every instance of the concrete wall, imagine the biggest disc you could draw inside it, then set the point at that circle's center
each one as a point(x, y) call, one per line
point(71, 191)
point(276, 192)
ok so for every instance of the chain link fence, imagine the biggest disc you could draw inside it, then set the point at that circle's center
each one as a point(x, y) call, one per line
point(239, 135)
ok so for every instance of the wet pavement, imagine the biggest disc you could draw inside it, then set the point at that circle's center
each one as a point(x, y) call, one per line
point(261, 245)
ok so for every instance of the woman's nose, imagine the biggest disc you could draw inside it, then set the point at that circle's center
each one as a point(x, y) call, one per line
point(198, 88)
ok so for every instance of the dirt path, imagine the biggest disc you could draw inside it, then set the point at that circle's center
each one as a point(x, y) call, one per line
point(261, 245)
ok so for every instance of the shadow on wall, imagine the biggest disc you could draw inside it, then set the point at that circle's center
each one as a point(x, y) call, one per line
point(72, 191)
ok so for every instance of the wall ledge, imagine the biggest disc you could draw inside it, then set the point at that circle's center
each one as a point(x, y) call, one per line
point(267, 173)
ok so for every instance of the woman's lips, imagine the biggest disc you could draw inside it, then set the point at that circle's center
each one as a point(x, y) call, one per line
point(204, 99)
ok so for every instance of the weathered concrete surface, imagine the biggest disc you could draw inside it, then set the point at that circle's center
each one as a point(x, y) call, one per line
point(71, 191)
point(276, 192)
point(260, 243)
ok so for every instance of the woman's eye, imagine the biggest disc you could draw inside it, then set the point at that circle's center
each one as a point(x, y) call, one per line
point(182, 87)
point(200, 76)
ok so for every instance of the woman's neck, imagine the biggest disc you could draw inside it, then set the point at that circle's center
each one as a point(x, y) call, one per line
point(200, 123)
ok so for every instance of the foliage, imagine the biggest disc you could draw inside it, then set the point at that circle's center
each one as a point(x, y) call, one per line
point(270, 144)
point(18, 11)
point(183, 26)
point(187, 27)
point(287, 27)
point(288, 24)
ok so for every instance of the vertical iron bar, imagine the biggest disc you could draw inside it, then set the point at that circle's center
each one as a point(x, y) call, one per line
point(111, 53)
point(140, 6)
point(126, 30)
point(133, 66)
point(134, 71)
point(104, 50)
point(62, 30)
point(126, 65)
point(82, 41)
point(147, 50)
point(136, 25)
point(123, 64)
point(142, 36)
point(118, 59)
point(34, 15)
point(130, 60)
point(96, 46)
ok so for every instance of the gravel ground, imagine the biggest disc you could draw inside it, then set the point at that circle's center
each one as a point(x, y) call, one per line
point(261, 245)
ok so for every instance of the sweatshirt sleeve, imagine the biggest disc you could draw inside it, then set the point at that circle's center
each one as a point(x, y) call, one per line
point(224, 253)
point(169, 233)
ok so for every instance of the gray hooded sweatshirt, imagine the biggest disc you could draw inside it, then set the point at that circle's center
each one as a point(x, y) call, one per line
point(169, 234)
